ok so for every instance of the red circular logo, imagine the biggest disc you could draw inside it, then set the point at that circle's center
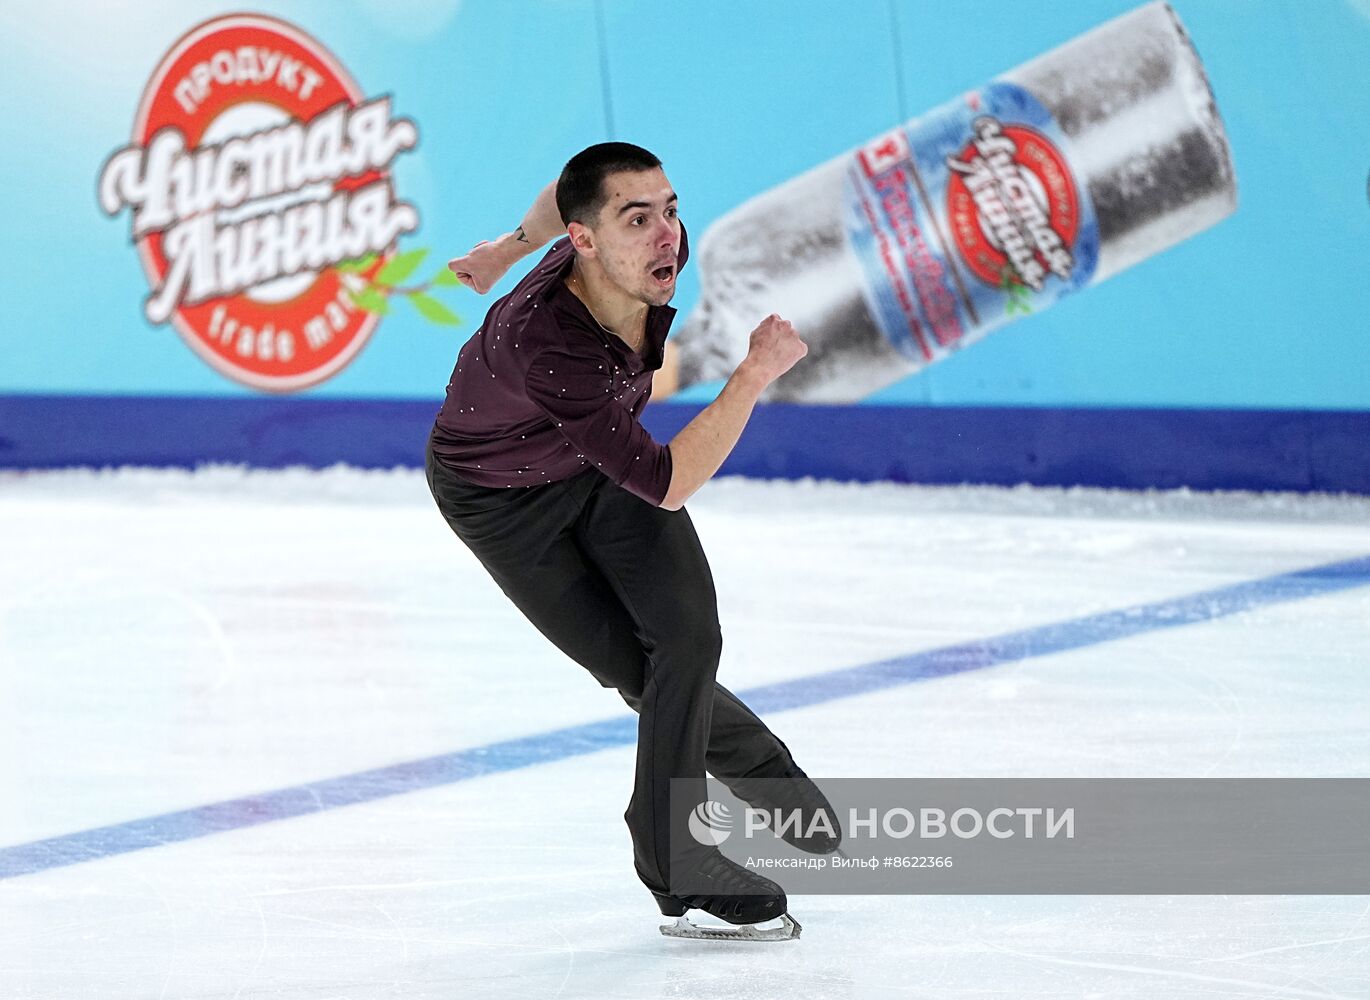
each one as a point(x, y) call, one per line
point(256, 167)
point(1012, 206)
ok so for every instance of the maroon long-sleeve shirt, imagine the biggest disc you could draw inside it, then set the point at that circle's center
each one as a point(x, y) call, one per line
point(542, 391)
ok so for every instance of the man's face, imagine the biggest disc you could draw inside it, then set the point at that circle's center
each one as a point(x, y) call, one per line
point(636, 238)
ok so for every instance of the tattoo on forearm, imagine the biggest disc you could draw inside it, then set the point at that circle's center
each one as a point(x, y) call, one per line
point(520, 235)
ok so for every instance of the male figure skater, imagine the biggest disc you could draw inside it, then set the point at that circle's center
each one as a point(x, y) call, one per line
point(540, 466)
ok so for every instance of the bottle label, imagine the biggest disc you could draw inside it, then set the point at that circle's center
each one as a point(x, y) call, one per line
point(967, 218)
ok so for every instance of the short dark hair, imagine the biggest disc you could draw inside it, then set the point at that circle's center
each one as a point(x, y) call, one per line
point(580, 189)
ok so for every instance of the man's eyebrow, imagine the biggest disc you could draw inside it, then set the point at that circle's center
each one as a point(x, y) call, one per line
point(645, 204)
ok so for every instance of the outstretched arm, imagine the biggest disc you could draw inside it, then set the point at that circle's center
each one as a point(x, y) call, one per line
point(698, 451)
point(485, 263)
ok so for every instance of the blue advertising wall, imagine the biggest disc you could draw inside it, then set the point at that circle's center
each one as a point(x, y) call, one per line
point(1237, 359)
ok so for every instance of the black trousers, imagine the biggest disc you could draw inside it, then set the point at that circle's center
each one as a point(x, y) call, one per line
point(623, 588)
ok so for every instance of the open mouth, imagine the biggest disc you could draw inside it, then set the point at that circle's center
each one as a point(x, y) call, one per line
point(664, 275)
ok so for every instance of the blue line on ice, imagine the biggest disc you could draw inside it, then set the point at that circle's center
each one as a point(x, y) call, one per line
point(560, 744)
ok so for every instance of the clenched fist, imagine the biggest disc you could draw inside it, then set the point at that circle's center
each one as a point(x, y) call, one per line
point(774, 348)
point(485, 263)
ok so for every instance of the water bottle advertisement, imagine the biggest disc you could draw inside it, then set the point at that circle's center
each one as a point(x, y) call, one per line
point(1059, 243)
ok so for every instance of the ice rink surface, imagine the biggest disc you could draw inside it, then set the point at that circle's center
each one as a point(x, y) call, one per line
point(171, 641)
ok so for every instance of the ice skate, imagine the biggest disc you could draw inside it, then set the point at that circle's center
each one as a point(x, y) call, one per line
point(789, 791)
point(753, 907)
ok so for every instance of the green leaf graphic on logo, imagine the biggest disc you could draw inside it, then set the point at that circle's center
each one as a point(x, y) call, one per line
point(375, 292)
point(1019, 300)
point(370, 300)
point(400, 266)
point(358, 265)
point(432, 309)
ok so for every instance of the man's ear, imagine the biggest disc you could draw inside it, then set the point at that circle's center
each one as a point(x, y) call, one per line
point(582, 239)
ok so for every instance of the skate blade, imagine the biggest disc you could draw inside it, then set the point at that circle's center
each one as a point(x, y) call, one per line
point(787, 930)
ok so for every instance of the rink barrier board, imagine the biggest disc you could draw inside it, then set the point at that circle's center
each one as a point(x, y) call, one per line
point(1127, 448)
point(621, 731)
